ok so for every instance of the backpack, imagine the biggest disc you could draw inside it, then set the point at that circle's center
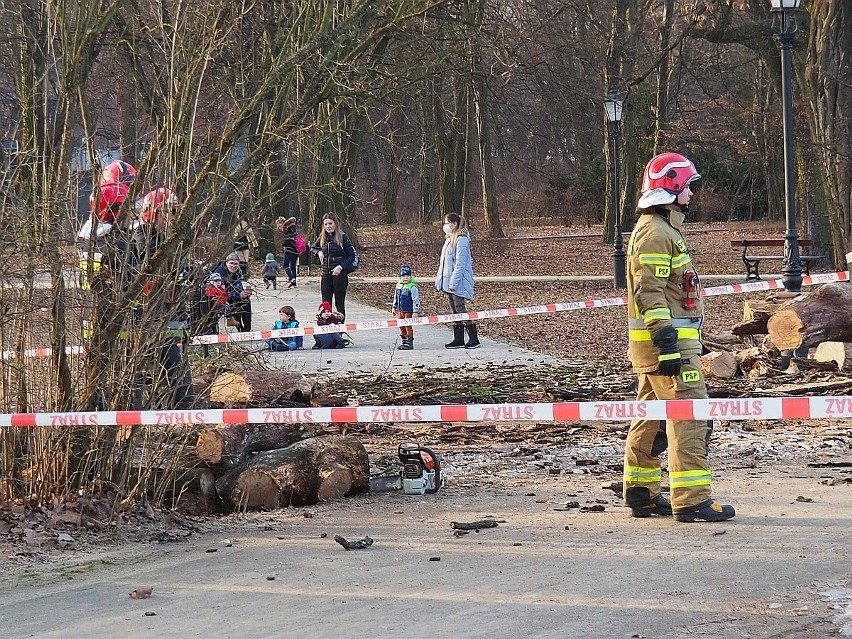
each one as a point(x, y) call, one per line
point(355, 263)
point(301, 245)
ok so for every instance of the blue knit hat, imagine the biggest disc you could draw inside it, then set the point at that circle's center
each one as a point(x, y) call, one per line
point(405, 270)
point(270, 257)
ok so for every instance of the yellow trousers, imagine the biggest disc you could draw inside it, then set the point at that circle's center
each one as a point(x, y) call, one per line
point(689, 472)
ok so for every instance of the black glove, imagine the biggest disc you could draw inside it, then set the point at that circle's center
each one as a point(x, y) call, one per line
point(665, 339)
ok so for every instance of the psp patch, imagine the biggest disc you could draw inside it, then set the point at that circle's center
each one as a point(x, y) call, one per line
point(690, 376)
point(662, 271)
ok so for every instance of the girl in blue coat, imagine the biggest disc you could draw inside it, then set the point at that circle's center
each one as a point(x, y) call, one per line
point(286, 319)
point(455, 277)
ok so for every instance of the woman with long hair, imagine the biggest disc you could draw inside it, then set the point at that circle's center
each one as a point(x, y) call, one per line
point(337, 257)
point(455, 277)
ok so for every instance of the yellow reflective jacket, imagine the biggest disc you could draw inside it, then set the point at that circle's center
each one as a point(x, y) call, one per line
point(657, 258)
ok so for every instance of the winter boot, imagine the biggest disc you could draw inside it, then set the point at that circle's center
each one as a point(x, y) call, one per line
point(411, 342)
point(473, 342)
point(705, 511)
point(405, 346)
point(458, 337)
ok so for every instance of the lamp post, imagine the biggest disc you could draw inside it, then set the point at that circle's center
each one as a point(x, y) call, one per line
point(785, 28)
point(614, 107)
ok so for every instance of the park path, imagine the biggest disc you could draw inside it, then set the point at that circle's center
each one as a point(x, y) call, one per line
point(373, 350)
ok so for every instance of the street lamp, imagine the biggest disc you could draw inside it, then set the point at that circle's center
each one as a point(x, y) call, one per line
point(785, 28)
point(614, 107)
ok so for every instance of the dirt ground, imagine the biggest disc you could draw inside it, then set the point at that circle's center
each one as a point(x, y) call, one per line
point(565, 559)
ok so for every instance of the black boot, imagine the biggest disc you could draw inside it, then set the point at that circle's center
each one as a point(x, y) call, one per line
point(473, 342)
point(705, 511)
point(458, 337)
point(411, 342)
point(405, 346)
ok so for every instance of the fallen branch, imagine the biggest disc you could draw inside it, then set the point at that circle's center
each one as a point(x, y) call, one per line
point(473, 525)
point(366, 542)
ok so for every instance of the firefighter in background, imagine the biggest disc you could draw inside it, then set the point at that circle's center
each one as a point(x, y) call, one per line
point(665, 313)
point(165, 303)
point(104, 203)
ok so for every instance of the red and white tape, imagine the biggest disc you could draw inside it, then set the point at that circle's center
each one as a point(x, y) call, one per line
point(251, 336)
point(803, 408)
point(731, 289)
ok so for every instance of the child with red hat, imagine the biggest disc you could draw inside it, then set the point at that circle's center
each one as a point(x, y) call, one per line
point(327, 317)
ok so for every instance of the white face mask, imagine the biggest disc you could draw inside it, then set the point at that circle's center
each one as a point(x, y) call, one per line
point(447, 229)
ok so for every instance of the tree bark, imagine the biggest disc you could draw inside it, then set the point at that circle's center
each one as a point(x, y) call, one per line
point(828, 91)
point(310, 471)
point(214, 444)
point(823, 316)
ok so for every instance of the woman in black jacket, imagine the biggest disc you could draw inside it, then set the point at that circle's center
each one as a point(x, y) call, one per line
point(338, 258)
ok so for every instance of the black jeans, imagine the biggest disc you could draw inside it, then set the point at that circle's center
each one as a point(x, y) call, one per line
point(242, 313)
point(334, 286)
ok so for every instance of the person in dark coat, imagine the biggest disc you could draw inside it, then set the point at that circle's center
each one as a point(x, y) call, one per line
point(239, 292)
point(290, 253)
point(338, 259)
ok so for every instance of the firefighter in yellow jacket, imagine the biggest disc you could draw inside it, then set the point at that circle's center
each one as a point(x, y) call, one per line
point(665, 312)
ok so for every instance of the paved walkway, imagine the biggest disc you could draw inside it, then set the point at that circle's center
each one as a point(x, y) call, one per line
point(373, 350)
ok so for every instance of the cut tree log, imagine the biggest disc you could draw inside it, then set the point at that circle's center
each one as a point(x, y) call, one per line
point(721, 341)
point(807, 320)
point(721, 364)
point(838, 352)
point(310, 471)
point(271, 388)
point(214, 444)
point(756, 314)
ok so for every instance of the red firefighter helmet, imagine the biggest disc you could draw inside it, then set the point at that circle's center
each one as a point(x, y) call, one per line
point(152, 202)
point(666, 175)
point(106, 200)
point(118, 171)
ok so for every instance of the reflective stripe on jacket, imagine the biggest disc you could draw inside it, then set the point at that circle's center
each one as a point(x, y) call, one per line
point(657, 258)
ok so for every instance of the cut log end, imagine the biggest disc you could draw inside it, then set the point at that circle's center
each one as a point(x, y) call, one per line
point(787, 329)
point(334, 483)
point(838, 352)
point(255, 489)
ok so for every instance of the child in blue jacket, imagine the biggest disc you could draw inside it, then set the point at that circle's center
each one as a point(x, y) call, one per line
point(406, 303)
point(287, 319)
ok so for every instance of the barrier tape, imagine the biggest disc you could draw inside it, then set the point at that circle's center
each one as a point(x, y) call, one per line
point(730, 289)
point(696, 409)
point(251, 336)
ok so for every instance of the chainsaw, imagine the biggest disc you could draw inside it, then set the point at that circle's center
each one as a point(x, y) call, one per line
point(421, 470)
point(420, 474)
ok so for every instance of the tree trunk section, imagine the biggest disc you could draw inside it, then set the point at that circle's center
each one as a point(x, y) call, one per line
point(756, 315)
point(268, 388)
point(310, 471)
point(838, 352)
point(719, 364)
point(823, 316)
point(214, 444)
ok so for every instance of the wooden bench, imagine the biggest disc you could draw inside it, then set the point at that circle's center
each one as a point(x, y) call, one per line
point(752, 260)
